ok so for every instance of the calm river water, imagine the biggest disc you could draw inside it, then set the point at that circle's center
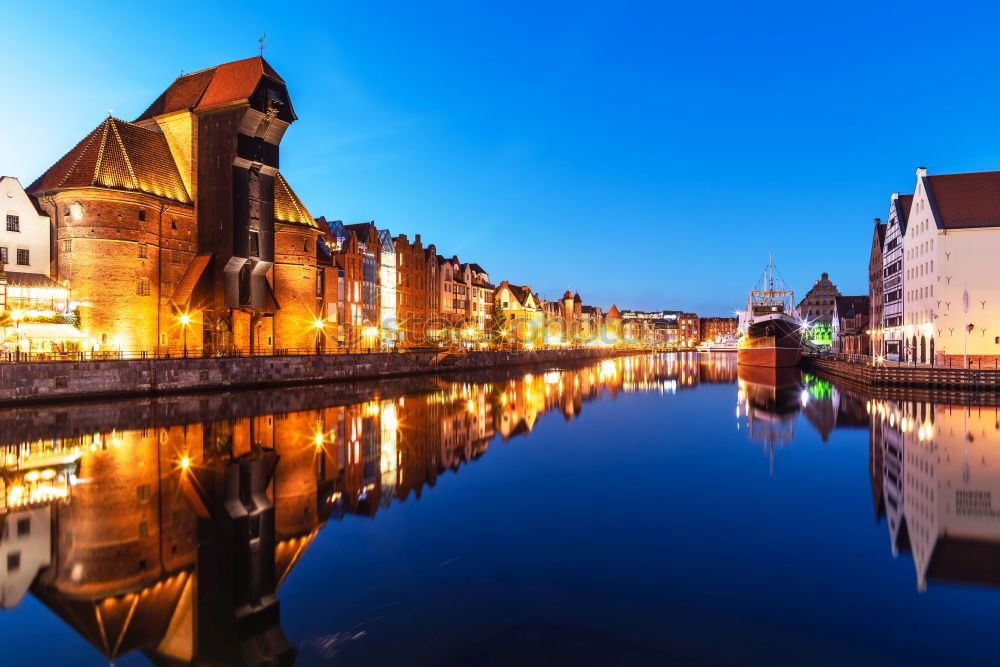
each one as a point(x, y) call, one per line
point(666, 509)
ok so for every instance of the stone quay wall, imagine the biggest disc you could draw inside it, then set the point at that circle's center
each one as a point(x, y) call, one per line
point(22, 383)
point(931, 377)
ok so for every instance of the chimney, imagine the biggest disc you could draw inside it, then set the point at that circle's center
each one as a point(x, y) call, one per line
point(417, 239)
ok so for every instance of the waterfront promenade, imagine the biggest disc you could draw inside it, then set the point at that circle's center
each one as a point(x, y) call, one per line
point(863, 372)
point(22, 383)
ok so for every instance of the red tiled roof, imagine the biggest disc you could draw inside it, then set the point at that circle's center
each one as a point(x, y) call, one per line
point(120, 156)
point(223, 84)
point(966, 200)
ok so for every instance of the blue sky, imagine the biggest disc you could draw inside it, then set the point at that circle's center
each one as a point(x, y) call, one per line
point(645, 154)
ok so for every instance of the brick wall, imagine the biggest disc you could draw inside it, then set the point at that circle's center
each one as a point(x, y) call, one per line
point(122, 259)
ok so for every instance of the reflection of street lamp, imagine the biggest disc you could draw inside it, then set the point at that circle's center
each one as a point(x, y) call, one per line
point(185, 321)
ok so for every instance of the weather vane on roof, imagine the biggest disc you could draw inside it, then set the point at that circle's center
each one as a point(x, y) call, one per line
point(261, 45)
point(110, 111)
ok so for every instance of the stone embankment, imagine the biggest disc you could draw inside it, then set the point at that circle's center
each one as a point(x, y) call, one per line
point(22, 383)
point(929, 377)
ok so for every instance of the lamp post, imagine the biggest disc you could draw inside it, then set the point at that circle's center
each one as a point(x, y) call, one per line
point(17, 316)
point(185, 320)
point(318, 325)
point(965, 330)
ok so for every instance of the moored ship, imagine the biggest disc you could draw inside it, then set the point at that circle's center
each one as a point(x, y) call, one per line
point(724, 344)
point(771, 334)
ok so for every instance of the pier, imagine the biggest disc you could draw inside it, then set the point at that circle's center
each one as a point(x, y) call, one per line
point(923, 376)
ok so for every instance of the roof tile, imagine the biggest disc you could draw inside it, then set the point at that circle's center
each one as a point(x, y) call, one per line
point(120, 156)
point(966, 200)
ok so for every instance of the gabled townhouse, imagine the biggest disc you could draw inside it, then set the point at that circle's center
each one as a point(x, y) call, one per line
point(952, 279)
point(525, 321)
point(875, 287)
point(891, 326)
point(388, 318)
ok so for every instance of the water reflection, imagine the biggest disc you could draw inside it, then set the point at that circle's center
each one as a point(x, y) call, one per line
point(935, 468)
point(168, 526)
point(934, 464)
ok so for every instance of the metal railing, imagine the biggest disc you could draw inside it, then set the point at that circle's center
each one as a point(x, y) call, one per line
point(952, 361)
point(18, 356)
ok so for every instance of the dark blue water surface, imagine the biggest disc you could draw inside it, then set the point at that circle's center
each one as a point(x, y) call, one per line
point(667, 509)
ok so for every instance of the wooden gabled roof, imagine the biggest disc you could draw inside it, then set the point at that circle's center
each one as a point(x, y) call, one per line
point(215, 86)
point(119, 156)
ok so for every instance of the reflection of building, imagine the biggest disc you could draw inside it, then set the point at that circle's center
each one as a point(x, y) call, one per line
point(25, 550)
point(174, 540)
point(940, 476)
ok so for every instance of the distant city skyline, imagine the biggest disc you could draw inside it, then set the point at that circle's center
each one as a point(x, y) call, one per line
point(639, 155)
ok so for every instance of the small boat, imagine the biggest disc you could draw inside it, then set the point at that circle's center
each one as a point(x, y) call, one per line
point(727, 344)
point(771, 332)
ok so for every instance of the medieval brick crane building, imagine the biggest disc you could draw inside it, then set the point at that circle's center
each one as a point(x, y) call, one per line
point(179, 226)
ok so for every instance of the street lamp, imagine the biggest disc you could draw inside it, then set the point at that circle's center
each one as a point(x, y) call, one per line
point(185, 321)
point(318, 325)
point(17, 316)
